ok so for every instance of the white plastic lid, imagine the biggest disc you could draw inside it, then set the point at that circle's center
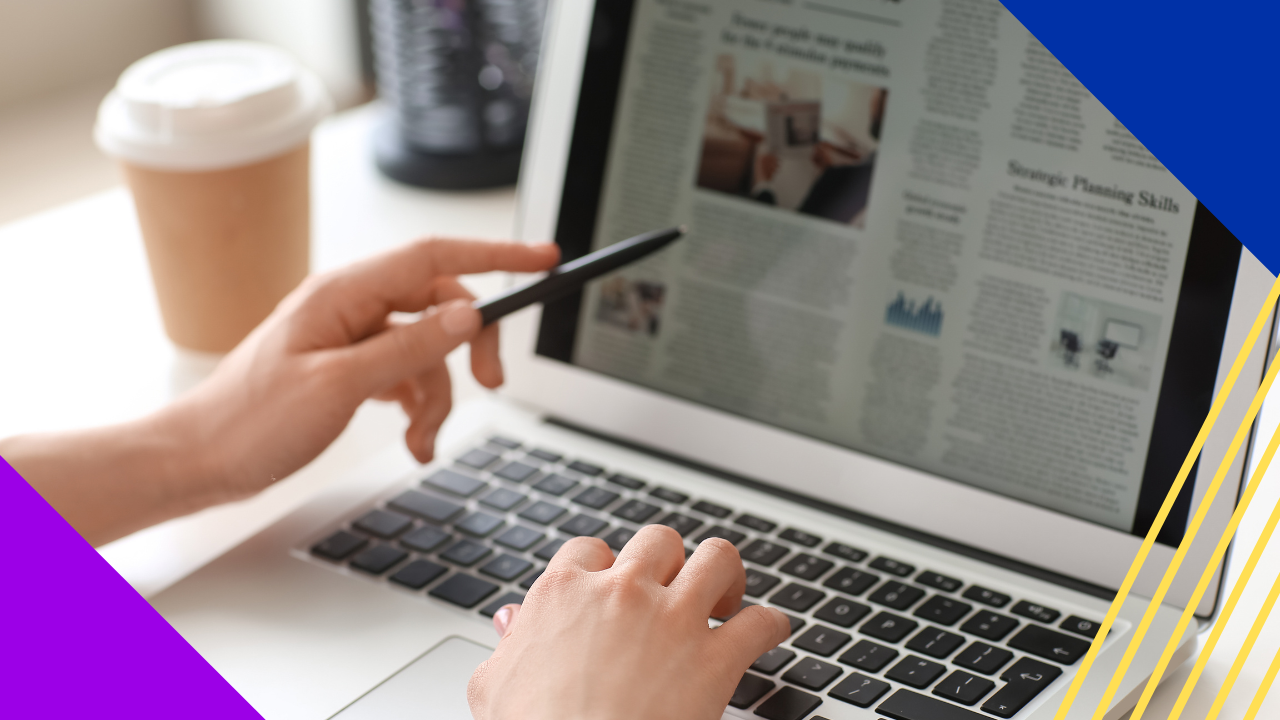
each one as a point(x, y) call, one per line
point(210, 105)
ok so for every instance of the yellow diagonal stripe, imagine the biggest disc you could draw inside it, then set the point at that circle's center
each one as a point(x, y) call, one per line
point(1145, 549)
point(1206, 577)
point(1225, 615)
point(1188, 537)
point(1264, 688)
point(1245, 649)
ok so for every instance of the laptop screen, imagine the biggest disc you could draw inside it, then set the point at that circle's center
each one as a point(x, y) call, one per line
point(912, 233)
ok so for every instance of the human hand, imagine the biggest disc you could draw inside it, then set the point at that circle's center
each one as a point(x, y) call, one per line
point(603, 639)
point(287, 391)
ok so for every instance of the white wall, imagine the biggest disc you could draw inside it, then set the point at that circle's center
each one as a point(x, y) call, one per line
point(50, 45)
point(323, 34)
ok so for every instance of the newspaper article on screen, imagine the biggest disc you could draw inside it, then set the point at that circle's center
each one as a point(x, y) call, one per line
point(912, 233)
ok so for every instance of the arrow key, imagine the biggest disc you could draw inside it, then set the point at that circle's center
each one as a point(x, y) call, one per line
point(1026, 678)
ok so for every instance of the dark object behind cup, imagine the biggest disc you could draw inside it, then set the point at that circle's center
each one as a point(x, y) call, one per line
point(457, 77)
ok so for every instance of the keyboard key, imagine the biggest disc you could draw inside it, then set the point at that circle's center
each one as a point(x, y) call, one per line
point(989, 625)
point(504, 442)
point(583, 525)
point(915, 671)
point(712, 509)
point(859, 690)
point(516, 471)
point(586, 468)
point(754, 523)
point(796, 623)
point(555, 484)
point(626, 481)
point(850, 581)
point(1049, 644)
point(763, 552)
point(619, 538)
point(983, 658)
point(465, 553)
point(517, 537)
point(636, 511)
point(1080, 626)
point(812, 674)
point(464, 590)
point(720, 531)
point(963, 688)
point(378, 559)
point(507, 599)
point(935, 643)
point(1026, 679)
point(907, 705)
point(595, 497)
point(869, 656)
point(796, 597)
point(383, 523)
point(941, 582)
point(339, 545)
point(477, 458)
point(788, 704)
point(806, 567)
point(479, 524)
point(669, 495)
point(427, 507)
point(759, 583)
point(986, 597)
point(548, 551)
point(896, 595)
point(545, 455)
point(943, 610)
point(842, 612)
point(425, 539)
point(506, 567)
point(891, 566)
point(418, 573)
point(821, 640)
point(1033, 611)
point(454, 482)
point(503, 499)
point(773, 661)
point(543, 513)
point(888, 627)
point(800, 537)
point(682, 524)
point(845, 552)
point(531, 578)
point(750, 689)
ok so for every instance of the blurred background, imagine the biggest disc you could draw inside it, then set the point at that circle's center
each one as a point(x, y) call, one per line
point(58, 58)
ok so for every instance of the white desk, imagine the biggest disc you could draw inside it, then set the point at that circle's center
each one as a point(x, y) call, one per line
point(81, 344)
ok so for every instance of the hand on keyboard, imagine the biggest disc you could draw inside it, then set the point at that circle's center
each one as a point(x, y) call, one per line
point(602, 638)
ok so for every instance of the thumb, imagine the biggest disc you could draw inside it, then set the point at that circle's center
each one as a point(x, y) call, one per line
point(749, 634)
point(405, 351)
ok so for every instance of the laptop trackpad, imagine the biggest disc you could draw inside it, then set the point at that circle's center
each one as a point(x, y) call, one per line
point(432, 687)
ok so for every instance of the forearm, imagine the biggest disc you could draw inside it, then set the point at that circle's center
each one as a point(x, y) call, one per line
point(110, 481)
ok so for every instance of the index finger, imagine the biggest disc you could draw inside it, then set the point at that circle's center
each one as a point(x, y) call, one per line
point(400, 280)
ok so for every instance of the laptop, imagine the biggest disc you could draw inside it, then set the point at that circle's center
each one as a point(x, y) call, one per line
point(886, 416)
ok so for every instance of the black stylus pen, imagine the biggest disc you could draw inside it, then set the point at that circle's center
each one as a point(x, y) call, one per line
point(571, 276)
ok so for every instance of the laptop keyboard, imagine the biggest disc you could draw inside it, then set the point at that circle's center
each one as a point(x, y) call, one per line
point(869, 630)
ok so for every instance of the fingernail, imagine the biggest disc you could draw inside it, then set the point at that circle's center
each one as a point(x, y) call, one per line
point(501, 619)
point(458, 318)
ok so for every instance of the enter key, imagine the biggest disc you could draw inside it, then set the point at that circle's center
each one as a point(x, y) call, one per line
point(1026, 679)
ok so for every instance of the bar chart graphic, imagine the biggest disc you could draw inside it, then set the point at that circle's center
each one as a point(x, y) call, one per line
point(925, 318)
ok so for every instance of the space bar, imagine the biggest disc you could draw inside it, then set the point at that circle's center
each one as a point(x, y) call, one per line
point(906, 705)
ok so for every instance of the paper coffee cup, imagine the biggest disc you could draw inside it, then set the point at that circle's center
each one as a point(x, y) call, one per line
point(213, 139)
